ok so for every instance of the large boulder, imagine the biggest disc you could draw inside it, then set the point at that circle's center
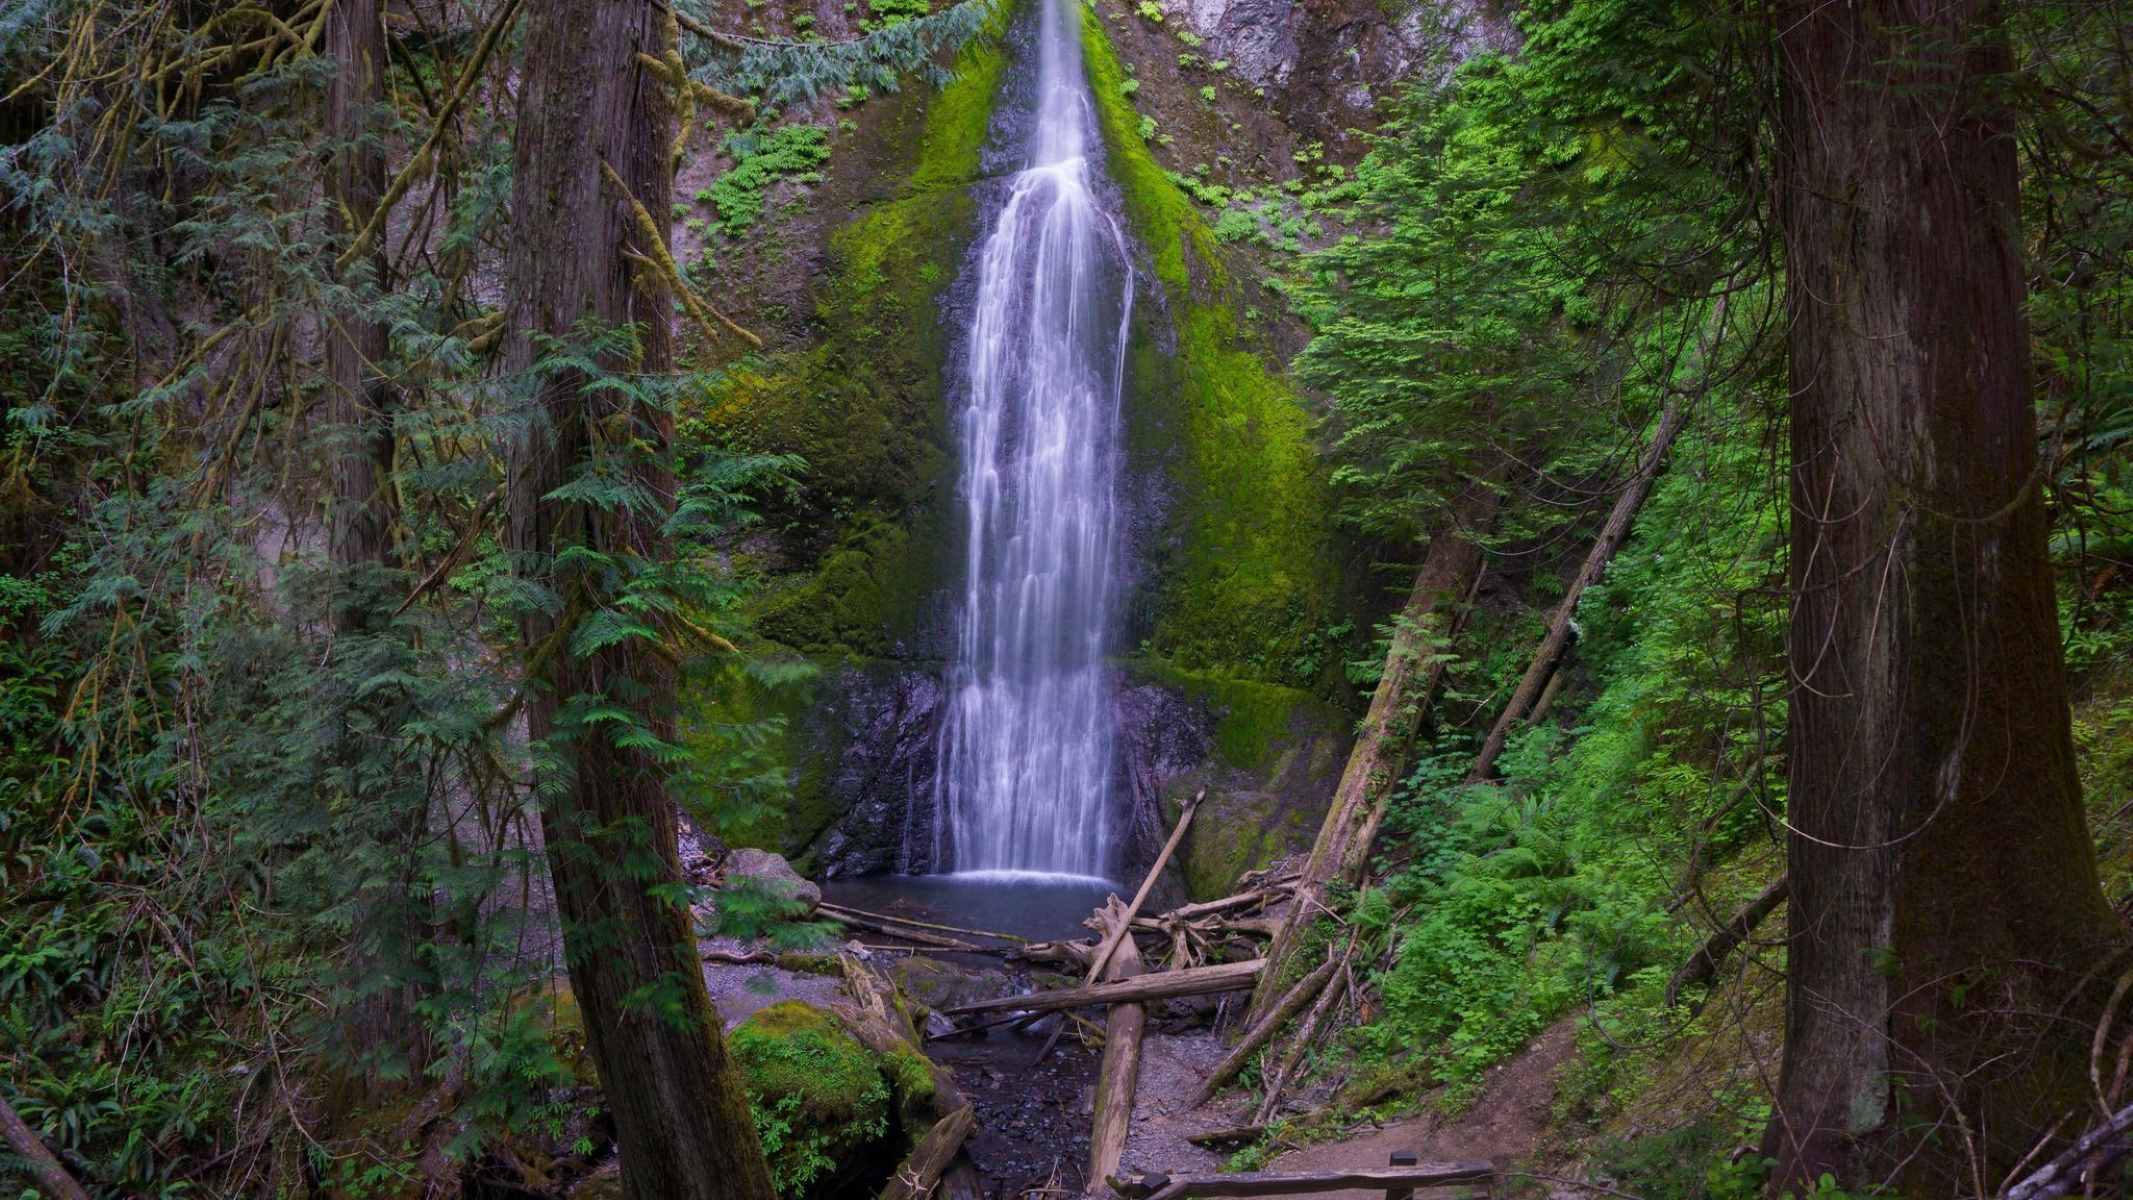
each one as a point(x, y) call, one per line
point(774, 874)
point(831, 1112)
point(940, 985)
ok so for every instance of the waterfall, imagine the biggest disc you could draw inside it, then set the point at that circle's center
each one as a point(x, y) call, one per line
point(1027, 744)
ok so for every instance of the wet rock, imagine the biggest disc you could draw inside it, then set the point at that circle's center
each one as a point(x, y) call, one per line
point(889, 731)
point(1266, 757)
point(938, 984)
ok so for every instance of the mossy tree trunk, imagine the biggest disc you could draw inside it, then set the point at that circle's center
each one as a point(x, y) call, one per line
point(1945, 904)
point(594, 121)
point(1413, 668)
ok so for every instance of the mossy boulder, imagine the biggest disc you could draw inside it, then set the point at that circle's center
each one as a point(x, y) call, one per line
point(829, 1110)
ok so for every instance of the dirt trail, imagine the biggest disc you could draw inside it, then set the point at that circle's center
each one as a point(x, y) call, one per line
point(1505, 1122)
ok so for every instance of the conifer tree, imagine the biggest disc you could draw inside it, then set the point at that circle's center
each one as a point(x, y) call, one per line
point(1945, 904)
point(589, 485)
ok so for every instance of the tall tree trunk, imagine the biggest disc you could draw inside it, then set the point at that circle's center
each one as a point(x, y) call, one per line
point(359, 404)
point(381, 1024)
point(594, 121)
point(1413, 669)
point(1944, 890)
point(1612, 534)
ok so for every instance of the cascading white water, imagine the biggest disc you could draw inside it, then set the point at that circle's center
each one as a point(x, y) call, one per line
point(1027, 743)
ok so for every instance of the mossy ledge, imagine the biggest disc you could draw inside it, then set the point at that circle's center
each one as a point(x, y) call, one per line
point(1252, 564)
point(862, 406)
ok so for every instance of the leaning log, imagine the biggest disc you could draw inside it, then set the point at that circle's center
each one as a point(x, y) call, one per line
point(1196, 981)
point(1612, 535)
point(1118, 1079)
point(922, 1168)
point(1271, 1183)
point(1259, 1035)
point(1414, 666)
point(1306, 1035)
point(1121, 930)
point(51, 1177)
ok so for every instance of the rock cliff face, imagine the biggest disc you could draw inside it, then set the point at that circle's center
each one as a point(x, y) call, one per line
point(1245, 598)
point(1326, 63)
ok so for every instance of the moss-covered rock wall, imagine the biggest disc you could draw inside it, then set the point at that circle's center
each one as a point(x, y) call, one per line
point(1241, 583)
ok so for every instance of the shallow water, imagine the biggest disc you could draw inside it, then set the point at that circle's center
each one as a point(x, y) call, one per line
point(1027, 904)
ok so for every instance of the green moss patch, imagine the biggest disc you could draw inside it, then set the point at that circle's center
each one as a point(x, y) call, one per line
point(1254, 572)
point(1278, 753)
point(862, 407)
point(821, 1100)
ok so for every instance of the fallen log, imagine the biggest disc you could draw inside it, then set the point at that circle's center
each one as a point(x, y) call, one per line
point(1292, 1002)
point(893, 919)
point(922, 1168)
point(920, 936)
point(1197, 981)
point(51, 1177)
point(1118, 1079)
point(1702, 966)
point(1208, 908)
point(741, 957)
point(1234, 1135)
point(1122, 929)
point(1275, 1183)
point(1076, 954)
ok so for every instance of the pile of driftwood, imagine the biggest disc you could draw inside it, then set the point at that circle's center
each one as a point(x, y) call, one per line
point(1193, 950)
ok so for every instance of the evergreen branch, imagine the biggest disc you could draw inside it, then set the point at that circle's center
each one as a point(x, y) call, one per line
point(395, 192)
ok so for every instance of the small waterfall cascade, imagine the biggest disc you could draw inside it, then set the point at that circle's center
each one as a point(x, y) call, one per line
point(1027, 745)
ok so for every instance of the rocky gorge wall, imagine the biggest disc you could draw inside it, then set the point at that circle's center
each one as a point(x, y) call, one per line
point(1245, 597)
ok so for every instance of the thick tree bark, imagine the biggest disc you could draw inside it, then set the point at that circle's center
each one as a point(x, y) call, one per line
point(1379, 758)
point(588, 108)
point(1541, 671)
point(359, 403)
point(1944, 897)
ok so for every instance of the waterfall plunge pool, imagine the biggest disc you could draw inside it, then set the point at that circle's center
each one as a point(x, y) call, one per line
point(1031, 904)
